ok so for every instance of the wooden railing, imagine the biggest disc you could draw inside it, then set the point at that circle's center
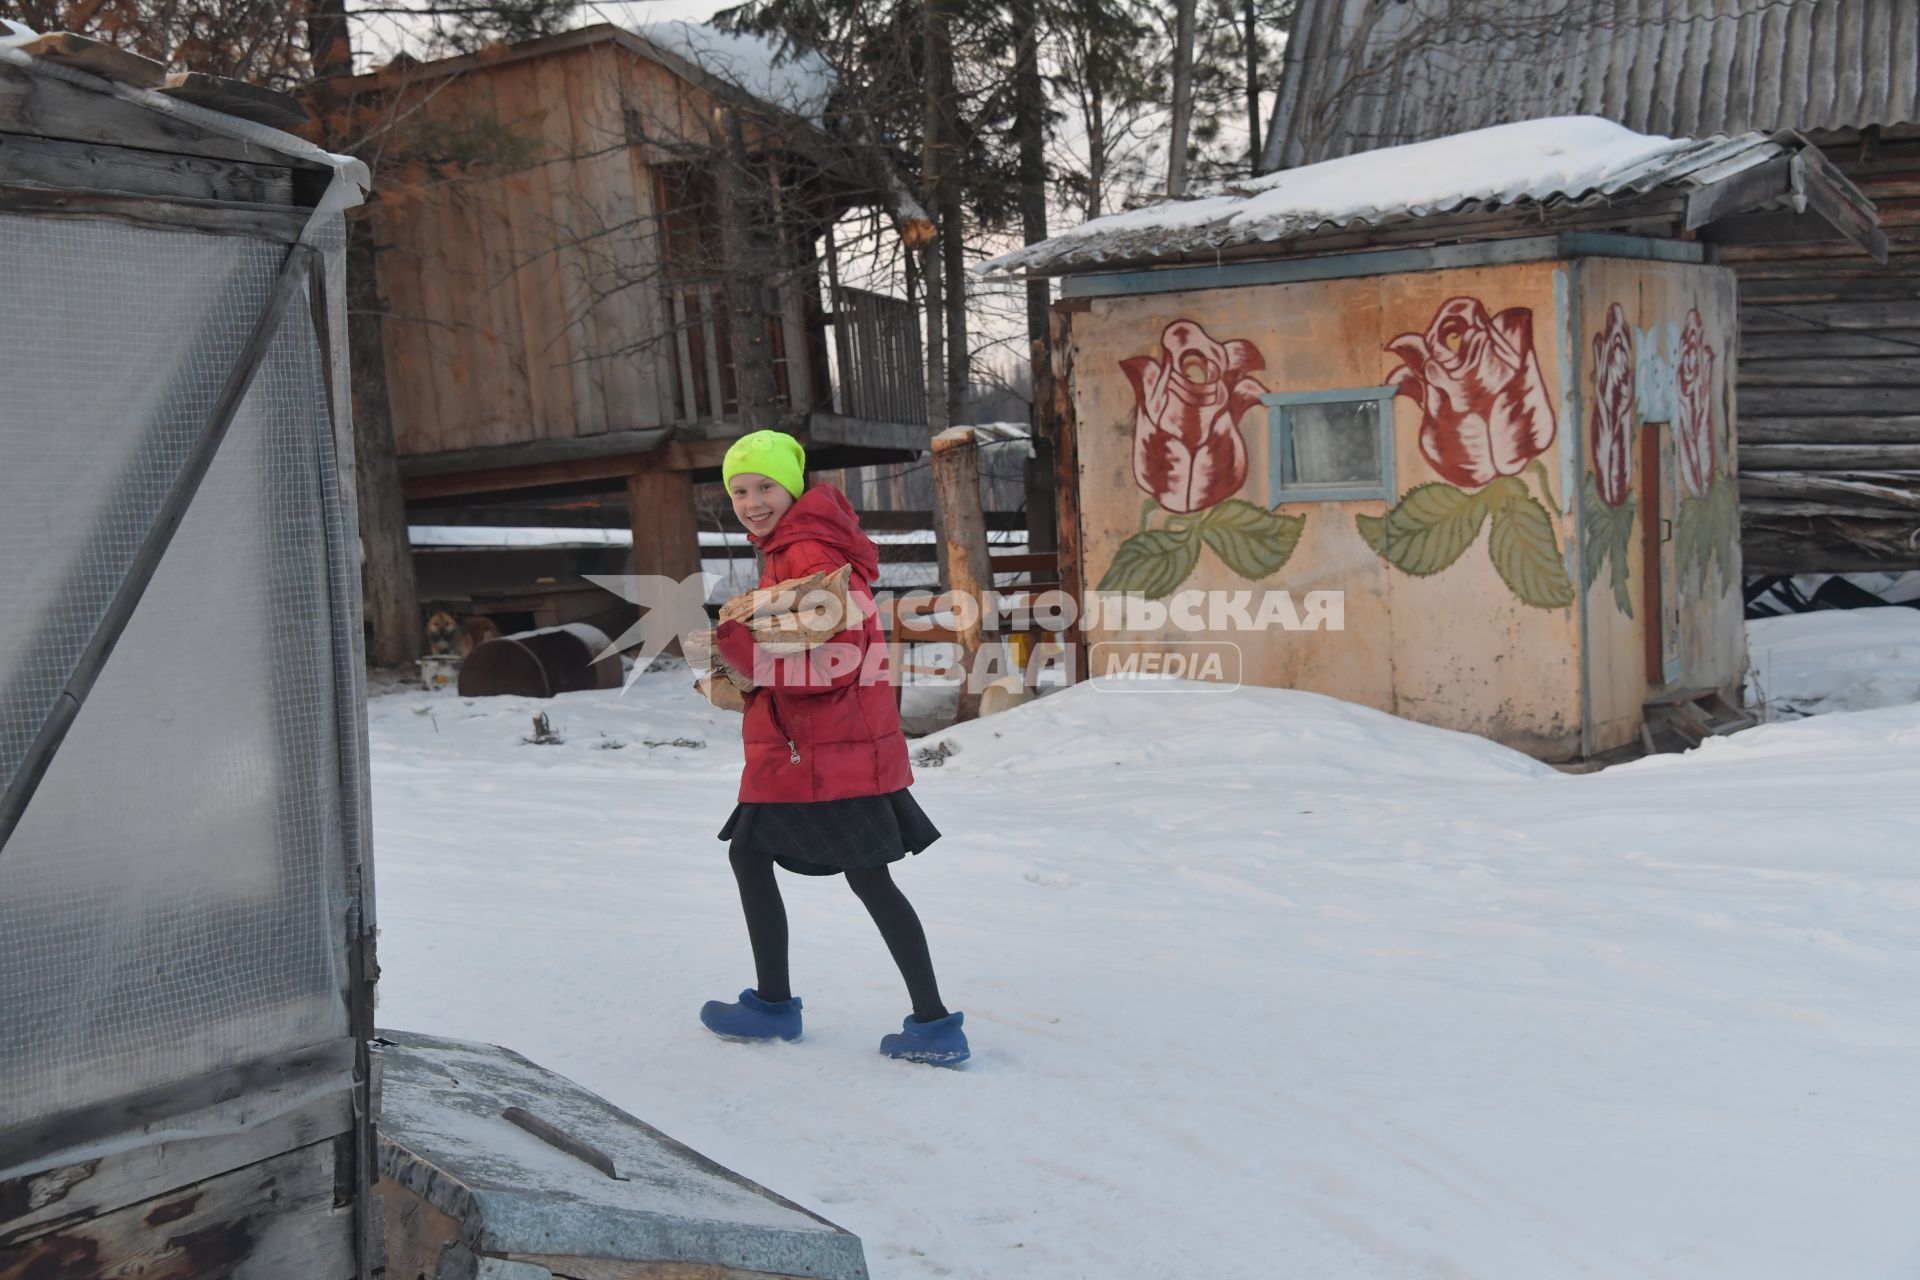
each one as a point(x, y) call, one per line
point(704, 388)
point(878, 346)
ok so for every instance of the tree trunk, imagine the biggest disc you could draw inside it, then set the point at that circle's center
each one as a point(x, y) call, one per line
point(1029, 128)
point(389, 596)
point(1096, 155)
point(1253, 84)
point(938, 51)
point(1182, 98)
point(944, 194)
point(749, 274)
point(954, 249)
point(328, 46)
point(937, 39)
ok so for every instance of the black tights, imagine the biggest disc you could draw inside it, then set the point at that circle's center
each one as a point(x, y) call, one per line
point(874, 886)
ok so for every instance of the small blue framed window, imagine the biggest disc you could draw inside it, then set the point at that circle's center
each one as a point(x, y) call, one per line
point(1329, 446)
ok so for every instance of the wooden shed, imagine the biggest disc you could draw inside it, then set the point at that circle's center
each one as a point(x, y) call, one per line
point(1445, 429)
point(1829, 331)
point(186, 913)
point(594, 244)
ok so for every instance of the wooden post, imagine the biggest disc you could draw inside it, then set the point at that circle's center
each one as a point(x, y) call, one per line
point(1066, 477)
point(666, 537)
point(956, 482)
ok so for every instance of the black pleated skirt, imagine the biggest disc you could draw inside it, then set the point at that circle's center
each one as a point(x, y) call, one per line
point(826, 837)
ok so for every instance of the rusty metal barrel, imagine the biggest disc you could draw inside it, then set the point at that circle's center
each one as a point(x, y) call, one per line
point(539, 664)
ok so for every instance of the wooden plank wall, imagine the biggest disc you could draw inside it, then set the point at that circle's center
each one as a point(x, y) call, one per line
point(1829, 390)
point(527, 305)
point(276, 1217)
point(523, 303)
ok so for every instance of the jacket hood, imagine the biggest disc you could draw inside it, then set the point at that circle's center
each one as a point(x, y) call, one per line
point(822, 514)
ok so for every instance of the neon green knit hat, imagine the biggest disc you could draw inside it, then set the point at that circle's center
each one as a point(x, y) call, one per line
point(773, 454)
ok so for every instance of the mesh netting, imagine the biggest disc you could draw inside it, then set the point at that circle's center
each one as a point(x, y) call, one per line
point(176, 897)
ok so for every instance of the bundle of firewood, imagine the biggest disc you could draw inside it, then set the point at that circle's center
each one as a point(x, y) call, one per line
point(785, 618)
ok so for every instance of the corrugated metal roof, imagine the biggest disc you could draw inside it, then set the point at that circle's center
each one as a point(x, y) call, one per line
point(1372, 73)
point(1549, 165)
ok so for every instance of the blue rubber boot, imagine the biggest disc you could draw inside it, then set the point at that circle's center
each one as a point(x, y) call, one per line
point(751, 1018)
point(938, 1044)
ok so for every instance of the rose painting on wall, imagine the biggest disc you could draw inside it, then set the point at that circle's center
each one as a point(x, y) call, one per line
point(1190, 459)
point(1707, 524)
point(1608, 501)
point(1486, 417)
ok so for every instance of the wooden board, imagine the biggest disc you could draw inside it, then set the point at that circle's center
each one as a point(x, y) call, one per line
point(49, 108)
point(98, 58)
point(626, 309)
point(1894, 429)
point(491, 415)
point(499, 348)
point(405, 330)
point(1828, 457)
point(527, 207)
point(280, 223)
point(1868, 344)
point(81, 166)
point(573, 229)
point(1893, 368)
point(1764, 286)
point(236, 98)
point(433, 229)
point(40, 1202)
point(1800, 402)
point(1870, 314)
point(1784, 544)
point(273, 1220)
point(416, 1232)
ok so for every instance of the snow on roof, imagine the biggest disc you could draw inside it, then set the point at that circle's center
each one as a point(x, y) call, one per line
point(800, 81)
point(1559, 159)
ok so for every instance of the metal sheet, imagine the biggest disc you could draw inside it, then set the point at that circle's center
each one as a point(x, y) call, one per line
point(1406, 72)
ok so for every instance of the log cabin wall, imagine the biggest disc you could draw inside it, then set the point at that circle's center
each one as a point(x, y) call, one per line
point(529, 298)
point(1830, 385)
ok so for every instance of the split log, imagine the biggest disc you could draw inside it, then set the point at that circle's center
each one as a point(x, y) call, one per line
point(956, 477)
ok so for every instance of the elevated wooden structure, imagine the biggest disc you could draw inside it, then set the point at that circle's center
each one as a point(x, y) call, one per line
point(559, 272)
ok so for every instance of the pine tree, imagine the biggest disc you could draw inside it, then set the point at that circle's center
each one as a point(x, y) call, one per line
point(1236, 72)
point(1109, 61)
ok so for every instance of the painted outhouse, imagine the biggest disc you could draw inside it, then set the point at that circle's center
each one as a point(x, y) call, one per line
point(1443, 429)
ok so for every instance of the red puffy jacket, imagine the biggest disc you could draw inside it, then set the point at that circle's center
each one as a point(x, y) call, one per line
point(820, 725)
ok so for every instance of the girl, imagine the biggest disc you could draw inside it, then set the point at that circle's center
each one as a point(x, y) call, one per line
point(825, 786)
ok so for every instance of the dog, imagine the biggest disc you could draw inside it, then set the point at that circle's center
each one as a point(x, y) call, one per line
point(447, 634)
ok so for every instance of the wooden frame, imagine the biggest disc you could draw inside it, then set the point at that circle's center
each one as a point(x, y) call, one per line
point(263, 1166)
point(1283, 486)
point(1328, 265)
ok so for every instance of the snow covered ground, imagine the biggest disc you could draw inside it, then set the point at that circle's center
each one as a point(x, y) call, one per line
point(1259, 984)
point(1833, 660)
